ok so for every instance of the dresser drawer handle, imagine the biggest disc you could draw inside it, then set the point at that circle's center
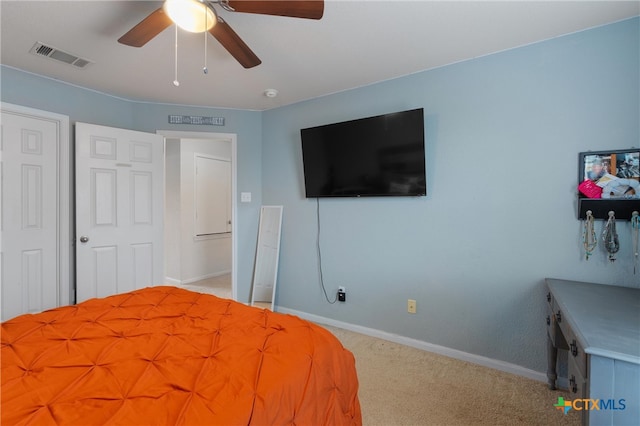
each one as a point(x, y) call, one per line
point(572, 384)
point(574, 348)
point(559, 316)
point(549, 297)
point(548, 320)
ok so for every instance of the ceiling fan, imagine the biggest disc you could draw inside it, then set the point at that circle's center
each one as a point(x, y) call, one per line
point(200, 16)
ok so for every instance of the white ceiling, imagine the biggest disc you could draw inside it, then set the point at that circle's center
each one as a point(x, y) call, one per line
point(356, 43)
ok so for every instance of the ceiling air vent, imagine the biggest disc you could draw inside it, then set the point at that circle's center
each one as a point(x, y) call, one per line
point(40, 49)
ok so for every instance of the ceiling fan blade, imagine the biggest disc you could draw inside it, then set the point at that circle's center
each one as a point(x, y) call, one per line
point(310, 9)
point(234, 44)
point(146, 29)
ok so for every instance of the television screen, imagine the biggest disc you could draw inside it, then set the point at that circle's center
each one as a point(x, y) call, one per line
point(368, 157)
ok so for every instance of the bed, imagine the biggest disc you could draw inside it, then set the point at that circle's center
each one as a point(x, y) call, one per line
point(164, 356)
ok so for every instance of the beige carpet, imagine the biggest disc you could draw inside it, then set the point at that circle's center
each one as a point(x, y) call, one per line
point(219, 286)
point(400, 385)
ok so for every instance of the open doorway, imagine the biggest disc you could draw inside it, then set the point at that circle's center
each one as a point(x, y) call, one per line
point(200, 254)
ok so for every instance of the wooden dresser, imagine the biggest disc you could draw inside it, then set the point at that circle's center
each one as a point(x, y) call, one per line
point(599, 326)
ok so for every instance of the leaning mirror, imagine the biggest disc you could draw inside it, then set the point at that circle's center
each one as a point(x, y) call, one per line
point(265, 270)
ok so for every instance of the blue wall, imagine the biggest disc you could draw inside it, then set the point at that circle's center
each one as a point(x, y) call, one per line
point(503, 133)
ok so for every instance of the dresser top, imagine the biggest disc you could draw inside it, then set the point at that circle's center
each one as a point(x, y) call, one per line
point(605, 318)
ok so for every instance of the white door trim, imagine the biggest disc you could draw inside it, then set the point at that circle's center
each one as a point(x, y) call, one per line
point(66, 286)
point(232, 137)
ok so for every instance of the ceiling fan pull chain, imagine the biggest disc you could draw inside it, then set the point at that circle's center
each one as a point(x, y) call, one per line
point(175, 81)
point(206, 24)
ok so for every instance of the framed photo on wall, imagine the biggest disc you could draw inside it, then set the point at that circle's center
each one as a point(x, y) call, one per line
point(609, 181)
point(622, 164)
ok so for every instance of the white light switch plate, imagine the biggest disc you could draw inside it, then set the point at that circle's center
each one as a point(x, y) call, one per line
point(245, 197)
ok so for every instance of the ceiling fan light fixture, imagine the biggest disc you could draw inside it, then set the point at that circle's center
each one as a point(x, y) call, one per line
point(190, 15)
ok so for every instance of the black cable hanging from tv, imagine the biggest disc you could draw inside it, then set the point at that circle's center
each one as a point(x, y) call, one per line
point(319, 253)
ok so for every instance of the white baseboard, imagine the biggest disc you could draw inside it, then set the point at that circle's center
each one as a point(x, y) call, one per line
point(175, 281)
point(425, 346)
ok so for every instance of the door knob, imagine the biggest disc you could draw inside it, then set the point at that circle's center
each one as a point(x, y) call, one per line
point(84, 239)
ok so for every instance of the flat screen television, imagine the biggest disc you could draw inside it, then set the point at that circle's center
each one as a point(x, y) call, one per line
point(368, 157)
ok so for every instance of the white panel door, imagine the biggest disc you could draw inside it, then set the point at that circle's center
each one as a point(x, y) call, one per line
point(30, 214)
point(212, 195)
point(119, 210)
point(267, 254)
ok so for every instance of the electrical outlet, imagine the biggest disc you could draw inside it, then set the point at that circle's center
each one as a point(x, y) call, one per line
point(342, 294)
point(411, 306)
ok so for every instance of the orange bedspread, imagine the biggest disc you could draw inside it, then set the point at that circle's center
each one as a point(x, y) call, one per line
point(164, 355)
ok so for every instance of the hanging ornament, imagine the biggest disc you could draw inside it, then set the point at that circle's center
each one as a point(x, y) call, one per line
point(589, 239)
point(635, 238)
point(610, 237)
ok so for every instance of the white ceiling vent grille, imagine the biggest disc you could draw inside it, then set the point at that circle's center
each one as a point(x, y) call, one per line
point(41, 49)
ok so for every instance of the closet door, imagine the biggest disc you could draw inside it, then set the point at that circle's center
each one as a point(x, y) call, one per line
point(212, 195)
point(31, 266)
